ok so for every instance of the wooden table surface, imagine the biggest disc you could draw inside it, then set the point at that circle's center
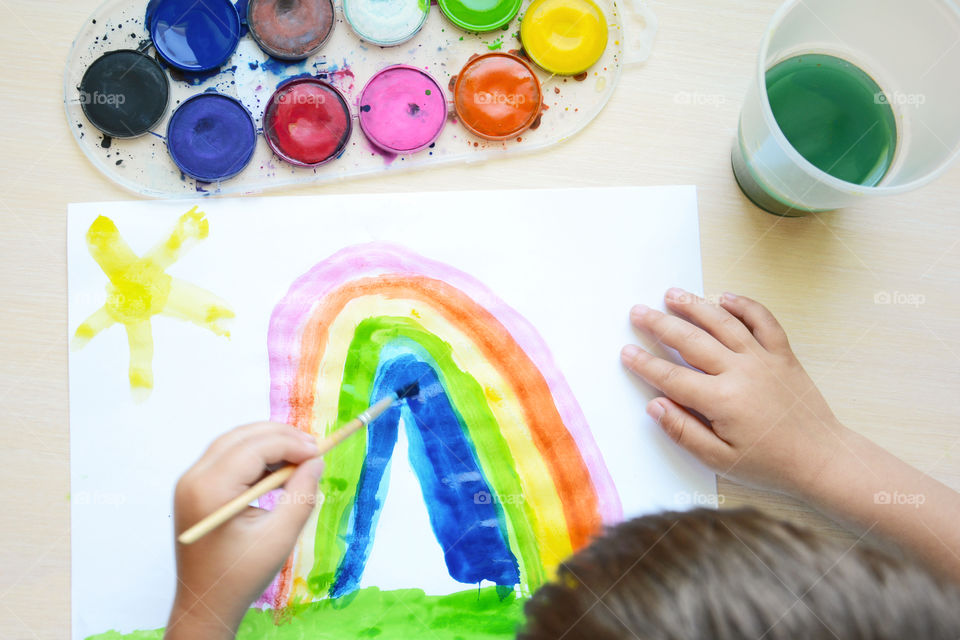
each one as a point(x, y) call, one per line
point(890, 371)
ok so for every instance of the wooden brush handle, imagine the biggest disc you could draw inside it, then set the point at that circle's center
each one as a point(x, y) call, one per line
point(278, 478)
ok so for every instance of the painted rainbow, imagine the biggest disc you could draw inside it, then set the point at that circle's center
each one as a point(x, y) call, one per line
point(495, 418)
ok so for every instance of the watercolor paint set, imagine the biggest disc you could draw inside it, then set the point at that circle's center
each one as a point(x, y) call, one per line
point(177, 97)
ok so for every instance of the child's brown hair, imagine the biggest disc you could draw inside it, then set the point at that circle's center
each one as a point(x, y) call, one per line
point(738, 574)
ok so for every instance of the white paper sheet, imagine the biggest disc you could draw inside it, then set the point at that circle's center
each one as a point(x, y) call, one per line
point(571, 262)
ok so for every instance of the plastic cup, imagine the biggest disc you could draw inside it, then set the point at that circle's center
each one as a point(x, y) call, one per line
point(908, 48)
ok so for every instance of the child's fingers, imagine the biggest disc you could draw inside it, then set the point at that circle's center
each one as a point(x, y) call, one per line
point(247, 431)
point(299, 498)
point(759, 320)
point(694, 344)
point(246, 460)
point(680, 383)
point(719, 322)
point(689, 432)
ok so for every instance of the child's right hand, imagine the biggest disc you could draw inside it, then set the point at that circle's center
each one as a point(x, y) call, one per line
point(220, 575)
point(767, 424)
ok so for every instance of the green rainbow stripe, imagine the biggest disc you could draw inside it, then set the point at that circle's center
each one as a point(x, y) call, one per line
point(470, 402)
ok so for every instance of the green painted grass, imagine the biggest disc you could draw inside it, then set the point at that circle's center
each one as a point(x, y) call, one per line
point(372, 613)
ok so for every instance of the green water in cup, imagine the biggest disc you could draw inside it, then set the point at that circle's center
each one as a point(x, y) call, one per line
point(849, 101)
point(835, 115)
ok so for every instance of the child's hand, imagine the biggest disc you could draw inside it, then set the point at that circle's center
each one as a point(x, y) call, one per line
point(767, 424)
point(220, 575)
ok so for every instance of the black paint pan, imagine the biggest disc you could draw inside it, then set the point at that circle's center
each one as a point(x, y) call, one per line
point(124, 93)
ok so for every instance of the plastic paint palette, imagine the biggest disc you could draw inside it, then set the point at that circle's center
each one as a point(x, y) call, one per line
point(347, 63)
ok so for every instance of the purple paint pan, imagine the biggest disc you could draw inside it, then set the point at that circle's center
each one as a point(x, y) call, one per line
point(402, 109)
point(211, 137)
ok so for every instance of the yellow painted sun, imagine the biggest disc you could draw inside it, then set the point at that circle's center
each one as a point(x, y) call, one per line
point(139, 288)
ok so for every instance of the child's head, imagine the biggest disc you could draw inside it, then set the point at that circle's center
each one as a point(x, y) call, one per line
point(738, 574)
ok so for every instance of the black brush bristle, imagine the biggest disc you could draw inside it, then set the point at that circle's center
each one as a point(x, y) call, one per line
point(409, 391)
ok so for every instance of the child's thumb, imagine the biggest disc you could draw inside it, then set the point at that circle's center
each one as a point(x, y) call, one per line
point(300, 496)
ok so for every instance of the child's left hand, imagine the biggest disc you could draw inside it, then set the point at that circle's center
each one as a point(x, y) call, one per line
point(220, 575)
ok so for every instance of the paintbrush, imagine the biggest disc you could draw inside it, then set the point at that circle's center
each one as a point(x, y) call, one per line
point(276, 479)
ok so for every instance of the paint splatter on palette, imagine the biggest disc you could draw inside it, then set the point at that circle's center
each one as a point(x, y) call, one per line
point(344, 64)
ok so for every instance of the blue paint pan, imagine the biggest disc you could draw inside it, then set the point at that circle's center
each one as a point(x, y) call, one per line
point(194, 35)
point(211, 137)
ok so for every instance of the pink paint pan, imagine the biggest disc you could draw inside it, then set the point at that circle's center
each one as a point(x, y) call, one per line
point(402, 109)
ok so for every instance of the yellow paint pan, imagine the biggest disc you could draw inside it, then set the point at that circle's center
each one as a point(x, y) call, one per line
point(565, 37)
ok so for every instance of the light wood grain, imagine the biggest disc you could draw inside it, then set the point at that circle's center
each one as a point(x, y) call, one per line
point(891, 372)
